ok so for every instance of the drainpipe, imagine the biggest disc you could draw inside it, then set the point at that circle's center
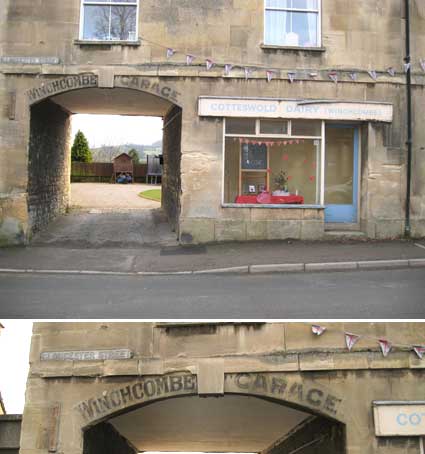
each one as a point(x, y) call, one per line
point(409, 142)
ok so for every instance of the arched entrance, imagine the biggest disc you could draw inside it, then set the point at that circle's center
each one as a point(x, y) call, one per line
point(51, 106)
point(265, 413)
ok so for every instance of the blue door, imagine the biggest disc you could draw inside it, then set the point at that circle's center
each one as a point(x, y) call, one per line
point(341, 173)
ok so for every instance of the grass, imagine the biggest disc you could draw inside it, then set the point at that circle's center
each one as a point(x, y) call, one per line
point(151, 194)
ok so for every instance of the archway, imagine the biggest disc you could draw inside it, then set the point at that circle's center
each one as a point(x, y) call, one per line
point(51, 107)
point(264, 413)
point(232, 423)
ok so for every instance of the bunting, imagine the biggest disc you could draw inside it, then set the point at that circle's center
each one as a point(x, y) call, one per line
point(189, 59)
point(385, 347)
point(291, 77)
point(351, 340)
point(227, 68)
point(422, 64)
point(353, 76)
point(391, 71)
point(407, 67)
point(209, 64)
point(248, 72)
point(270, 74)
point(170, 52)
point(318, 330)
point(333, 76)
point(419, 350)
point(373, 74)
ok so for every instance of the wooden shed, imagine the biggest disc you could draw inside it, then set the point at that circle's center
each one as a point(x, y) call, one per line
point(123, 164)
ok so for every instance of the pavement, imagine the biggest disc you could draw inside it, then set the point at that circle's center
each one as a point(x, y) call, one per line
point(237, 258)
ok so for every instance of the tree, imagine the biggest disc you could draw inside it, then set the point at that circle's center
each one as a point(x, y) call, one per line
point(134, 156)
point(80, 150)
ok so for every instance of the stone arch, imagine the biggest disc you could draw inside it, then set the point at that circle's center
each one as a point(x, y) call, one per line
point(282, 388)
point(151, 85)
point(51, 105)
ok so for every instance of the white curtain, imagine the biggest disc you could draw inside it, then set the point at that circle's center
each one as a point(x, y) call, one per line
point(276, 27)
point(312, 23)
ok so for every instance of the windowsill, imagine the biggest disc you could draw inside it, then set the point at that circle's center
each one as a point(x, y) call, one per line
point(273, 206)
point(267, 47)
point(88, 42)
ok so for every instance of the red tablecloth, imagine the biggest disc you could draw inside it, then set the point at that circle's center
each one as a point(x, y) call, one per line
point(266, 198)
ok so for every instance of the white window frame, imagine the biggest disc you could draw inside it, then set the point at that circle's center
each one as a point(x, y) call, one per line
point(84, 3)
point(302, 10)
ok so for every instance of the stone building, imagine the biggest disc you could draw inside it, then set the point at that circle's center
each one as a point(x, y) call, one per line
point(269, 388)
point(301, 98)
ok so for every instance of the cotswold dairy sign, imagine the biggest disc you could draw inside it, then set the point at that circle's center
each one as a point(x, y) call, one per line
point(311, 109)
point(399, 418)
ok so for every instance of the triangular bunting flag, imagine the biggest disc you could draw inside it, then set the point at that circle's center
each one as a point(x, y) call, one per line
point(189, 59)
point(391, 71)
point(318, 330)
point(270, 74)
point(248, 72)
point(291, 77)
point(353, 76)
point(373, 74)
point(422, 63)
point(419, 350)
point(227, 68)
point(209, 64)
point(350, 340)
point(333, 76)
point(385, 346)
point(407, 67)
point(170, 52)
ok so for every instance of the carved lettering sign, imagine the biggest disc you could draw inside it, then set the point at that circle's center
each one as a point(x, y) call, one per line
point(91, 355)
point(143, 390)
point(148, 85)
point(285, 388)
point(278, 386)
point(58, 86)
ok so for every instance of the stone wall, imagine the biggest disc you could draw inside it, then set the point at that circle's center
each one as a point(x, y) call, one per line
point(314, 436)
point(171, 178)
point(49, 163)
point(104, 439)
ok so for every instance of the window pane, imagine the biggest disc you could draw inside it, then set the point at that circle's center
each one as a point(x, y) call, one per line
point(110, 1)
point(278, 3)
point(291, 29)
point(306, 128)
point(96, 22)
point(123, 23)
point(273, 127)
point(240, 126)
point(297, 4)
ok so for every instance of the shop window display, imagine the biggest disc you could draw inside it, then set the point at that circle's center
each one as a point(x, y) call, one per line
point(277, 167)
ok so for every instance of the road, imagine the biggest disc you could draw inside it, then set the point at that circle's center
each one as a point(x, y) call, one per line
point(363, 294)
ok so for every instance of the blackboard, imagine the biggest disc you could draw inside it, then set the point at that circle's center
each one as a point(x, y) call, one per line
point(254, 156)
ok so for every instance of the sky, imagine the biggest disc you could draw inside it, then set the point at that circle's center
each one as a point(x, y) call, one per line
point(117, 129)
point(15, 340)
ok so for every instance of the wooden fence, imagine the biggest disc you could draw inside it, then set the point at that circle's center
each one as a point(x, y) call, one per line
point(102, 172)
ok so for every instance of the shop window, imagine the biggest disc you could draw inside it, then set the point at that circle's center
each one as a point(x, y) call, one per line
point(306, 128)
point(273, 127)
point(285, 168)
point(110, 20)
point(292, 23)
point(240, 126)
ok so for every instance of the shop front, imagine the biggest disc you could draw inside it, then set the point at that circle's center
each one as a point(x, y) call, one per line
point(298, 155)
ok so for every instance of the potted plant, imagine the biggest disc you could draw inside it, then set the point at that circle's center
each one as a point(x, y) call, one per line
point(281, 183)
